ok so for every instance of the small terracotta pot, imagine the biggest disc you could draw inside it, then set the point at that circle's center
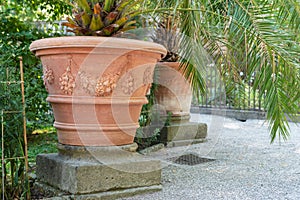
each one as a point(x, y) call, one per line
point(97, 86)
point(174, 93)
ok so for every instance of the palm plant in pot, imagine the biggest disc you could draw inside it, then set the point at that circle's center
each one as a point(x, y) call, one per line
point(182, 70)
point(173, 91)
point(175, 83)
point(97, 85)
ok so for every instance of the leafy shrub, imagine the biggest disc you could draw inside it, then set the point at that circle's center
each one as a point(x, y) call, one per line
point(15, 37)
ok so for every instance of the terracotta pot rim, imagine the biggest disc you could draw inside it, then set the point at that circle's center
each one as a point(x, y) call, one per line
point(92, 42)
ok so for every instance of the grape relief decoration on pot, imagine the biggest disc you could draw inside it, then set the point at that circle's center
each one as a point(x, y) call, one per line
point(87, 82)
point(148, 76)
point(128, 84)
point(67, 81)
point(48, 77)
point(106, 84)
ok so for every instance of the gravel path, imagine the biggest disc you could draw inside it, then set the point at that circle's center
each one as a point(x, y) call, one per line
point(247, 166)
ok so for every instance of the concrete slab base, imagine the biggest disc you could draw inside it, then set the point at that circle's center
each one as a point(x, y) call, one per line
point(182, 134)
point(108, 195)
point(96, 172)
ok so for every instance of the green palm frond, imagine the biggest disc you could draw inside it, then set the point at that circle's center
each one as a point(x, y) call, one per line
point(271, 53)
point(260, 38)
point(276, 67)
point(289, 14)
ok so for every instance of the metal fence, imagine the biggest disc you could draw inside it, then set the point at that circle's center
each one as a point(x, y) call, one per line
point(224, 93)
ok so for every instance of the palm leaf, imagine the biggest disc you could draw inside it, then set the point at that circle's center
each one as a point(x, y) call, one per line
point(271, 58)
point(259, 38)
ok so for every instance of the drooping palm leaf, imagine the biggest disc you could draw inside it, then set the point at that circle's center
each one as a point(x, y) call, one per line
point(258, 38)
point(273, 59)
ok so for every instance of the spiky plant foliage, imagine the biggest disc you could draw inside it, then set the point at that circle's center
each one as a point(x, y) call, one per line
point(166, 34)
point(102, 17)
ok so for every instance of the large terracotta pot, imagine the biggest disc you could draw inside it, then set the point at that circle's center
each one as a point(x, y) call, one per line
point(96, 86)
point(173, 93)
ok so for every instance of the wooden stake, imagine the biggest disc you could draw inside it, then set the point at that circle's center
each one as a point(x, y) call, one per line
point(24, 121)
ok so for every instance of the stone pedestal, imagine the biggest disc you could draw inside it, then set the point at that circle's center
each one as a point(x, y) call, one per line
point(181, 132)
point(99, 172)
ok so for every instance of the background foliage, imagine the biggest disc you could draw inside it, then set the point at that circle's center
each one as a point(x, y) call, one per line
point(16, 34)
point(17, 31)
